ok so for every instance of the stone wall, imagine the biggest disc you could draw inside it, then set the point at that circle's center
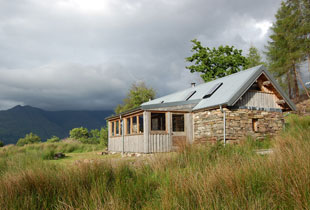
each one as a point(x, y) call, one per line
point(208, 125)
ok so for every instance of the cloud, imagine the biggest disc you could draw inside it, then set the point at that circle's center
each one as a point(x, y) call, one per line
point(85, 54)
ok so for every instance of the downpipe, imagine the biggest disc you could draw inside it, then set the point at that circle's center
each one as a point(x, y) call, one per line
point(123, 137)
point(224, 123)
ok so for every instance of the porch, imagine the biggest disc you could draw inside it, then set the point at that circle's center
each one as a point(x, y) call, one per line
point(150, 131)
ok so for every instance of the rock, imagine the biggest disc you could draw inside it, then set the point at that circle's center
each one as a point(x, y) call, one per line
point(59, 155)
point(102, 153)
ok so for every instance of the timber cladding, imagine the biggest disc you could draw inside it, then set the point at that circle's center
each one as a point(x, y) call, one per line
point(178, 141)
point(208, 125)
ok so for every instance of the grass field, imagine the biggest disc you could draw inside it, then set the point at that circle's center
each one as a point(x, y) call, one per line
point(198, 177)
point(72, 158)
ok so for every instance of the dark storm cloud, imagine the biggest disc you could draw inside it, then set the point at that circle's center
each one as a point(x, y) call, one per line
point(85, 54)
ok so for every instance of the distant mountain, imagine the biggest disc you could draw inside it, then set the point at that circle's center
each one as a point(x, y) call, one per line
point(20, 120)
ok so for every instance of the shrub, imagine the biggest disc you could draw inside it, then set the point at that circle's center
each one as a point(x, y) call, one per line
point(30, 138)
point(104, 136)
point(1, 144)
point(79, 133)
point(53, 139)
point(90, 137)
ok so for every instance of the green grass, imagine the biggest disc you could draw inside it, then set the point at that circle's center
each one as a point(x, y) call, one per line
point(16, 158)
point(198, 177)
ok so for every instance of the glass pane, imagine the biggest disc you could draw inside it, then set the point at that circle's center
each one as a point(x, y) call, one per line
point(134, 124)
point(121, 126)
point(128, 125)
point(141, 123)
point(158, 121)
point(117, 128)
point(112, 127)
point(178, 123)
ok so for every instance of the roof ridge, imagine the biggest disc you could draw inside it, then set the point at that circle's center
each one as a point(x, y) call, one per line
point(234, 74)
point(207, 83)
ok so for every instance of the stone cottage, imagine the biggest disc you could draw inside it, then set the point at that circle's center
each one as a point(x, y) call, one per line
point(227, 109)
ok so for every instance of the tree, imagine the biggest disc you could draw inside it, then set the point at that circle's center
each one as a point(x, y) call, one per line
point(93, 136)
point(138, 94)
point(215, 63)
point(285, 49)
point(1, 144)
point(53, 139)
point(30, 138)
point(104, 136)
point(79, 133)
point(254, 58)
point(304, 7)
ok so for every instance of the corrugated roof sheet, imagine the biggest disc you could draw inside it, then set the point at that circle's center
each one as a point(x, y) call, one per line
point(233, 86)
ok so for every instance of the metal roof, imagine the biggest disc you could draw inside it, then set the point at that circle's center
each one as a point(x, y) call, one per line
point(234, 86)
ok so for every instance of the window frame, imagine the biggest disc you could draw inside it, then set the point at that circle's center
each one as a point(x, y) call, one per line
point(158, 131)
point(255, 128)
point(113, 126)
point(176, 113)
point(130, 119)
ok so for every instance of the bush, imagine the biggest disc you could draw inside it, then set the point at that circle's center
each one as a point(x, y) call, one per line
point(90, 137)
point(30, 138)
point(79, 133)
point(1, 144)
point(53, 139)
point(104, 136)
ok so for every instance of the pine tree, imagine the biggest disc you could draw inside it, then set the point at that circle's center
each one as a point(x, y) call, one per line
point(305, 28)
point(285, 49)
point(254, 58)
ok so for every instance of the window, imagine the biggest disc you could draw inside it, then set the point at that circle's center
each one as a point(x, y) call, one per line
point(112, 128)
point(190, 95)
point(212, 90)
point(158, 121)
point(121, 127)
point(141, 123)
point(255, 125)
point(117, 128)
point(134, 124)
point(178, 122)
point(128, 122)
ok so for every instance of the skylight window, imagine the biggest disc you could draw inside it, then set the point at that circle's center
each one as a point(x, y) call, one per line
point(212, 90)
point(190, 95)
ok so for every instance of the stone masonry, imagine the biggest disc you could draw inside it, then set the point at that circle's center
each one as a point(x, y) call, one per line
point(208, 125)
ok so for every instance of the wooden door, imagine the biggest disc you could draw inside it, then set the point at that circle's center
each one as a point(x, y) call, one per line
point(178, 128)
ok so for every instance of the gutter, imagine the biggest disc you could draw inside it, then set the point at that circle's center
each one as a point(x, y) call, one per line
point(224, 123)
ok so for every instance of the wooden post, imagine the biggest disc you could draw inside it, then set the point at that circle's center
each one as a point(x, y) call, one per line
point(146, 130)
point(138, 123)
point(188, 127)
point(131, 125)
point(168, 124)
point(109, 132)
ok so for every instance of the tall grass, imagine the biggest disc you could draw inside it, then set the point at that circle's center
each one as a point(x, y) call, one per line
point(198, 177)
point(16, 158)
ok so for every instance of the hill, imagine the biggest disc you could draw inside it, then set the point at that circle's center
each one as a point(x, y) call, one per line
point(20, 120)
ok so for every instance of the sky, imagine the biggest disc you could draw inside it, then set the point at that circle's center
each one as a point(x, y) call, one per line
point(86, 54)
